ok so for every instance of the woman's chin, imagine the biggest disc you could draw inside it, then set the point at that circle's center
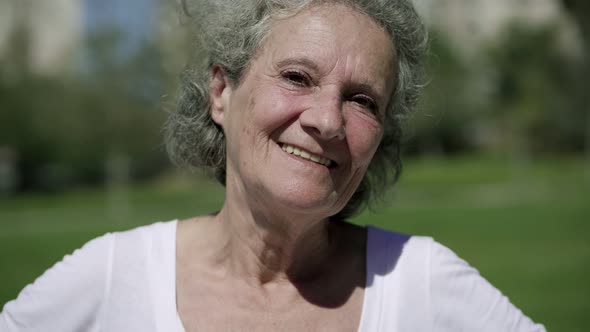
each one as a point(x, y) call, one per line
point(307, 202)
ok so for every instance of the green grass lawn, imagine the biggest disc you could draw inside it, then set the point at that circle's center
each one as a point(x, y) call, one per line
point(524, 226)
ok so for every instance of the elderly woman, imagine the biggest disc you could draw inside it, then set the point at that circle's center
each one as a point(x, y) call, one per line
point(297, 110)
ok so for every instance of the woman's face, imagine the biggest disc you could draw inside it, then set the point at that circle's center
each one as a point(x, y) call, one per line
point(318, 87)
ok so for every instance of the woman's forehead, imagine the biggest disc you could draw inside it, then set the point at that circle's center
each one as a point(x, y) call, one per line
point(330, 39)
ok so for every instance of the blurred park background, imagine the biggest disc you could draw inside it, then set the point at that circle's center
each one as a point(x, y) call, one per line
point(497, 155)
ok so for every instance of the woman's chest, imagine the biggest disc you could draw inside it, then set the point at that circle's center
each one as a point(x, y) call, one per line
point(214, 309)
point(298, 318)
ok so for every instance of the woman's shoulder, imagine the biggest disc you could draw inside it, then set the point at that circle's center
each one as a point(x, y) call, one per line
point(41, 305)
point(138, 249)
point(146, 239)
point(444, 287)
point(415, 249)
point(388, 247)
point(132, 246)
point(83, 282)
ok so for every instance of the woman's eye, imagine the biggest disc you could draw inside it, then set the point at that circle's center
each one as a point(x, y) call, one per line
point(296, 78)
point(365, 102)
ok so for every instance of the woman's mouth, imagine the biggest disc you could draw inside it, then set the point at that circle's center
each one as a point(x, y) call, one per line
point(306, 155)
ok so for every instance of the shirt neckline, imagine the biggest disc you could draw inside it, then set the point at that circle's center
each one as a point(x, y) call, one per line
point(363, 321)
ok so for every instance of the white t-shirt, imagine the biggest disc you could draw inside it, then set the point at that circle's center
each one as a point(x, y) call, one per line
point(126, 282)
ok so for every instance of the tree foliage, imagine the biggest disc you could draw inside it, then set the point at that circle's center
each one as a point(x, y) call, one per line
point(64, 129)
point(534, 97)
point(519, 94)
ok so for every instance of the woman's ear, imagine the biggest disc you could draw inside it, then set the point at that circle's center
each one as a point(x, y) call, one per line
point(219, 94)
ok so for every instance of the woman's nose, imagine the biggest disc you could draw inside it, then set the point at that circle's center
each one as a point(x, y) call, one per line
point(324, 119)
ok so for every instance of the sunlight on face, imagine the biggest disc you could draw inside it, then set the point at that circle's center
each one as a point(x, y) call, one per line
point(305, 122)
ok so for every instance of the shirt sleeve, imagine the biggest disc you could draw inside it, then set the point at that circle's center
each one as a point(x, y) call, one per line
point(68, 296)
point(464, 301)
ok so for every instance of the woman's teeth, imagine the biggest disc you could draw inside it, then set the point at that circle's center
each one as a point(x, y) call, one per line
point(306, 155)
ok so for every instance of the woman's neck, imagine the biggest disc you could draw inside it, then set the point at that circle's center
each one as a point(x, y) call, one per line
point(269, 248)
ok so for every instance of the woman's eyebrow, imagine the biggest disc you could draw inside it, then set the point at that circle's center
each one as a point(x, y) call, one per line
point(300, 61)
point(367, 88)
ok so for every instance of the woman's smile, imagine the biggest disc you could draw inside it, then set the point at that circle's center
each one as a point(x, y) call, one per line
point(307, 155)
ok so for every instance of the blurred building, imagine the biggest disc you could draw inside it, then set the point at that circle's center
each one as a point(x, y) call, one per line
point(469, 23)
point(51, 32)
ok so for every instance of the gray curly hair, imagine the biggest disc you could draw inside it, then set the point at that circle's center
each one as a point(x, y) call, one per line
point(229, 34)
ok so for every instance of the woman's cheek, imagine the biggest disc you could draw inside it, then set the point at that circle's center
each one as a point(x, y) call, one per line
point(283, 106)
point(364, 134)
